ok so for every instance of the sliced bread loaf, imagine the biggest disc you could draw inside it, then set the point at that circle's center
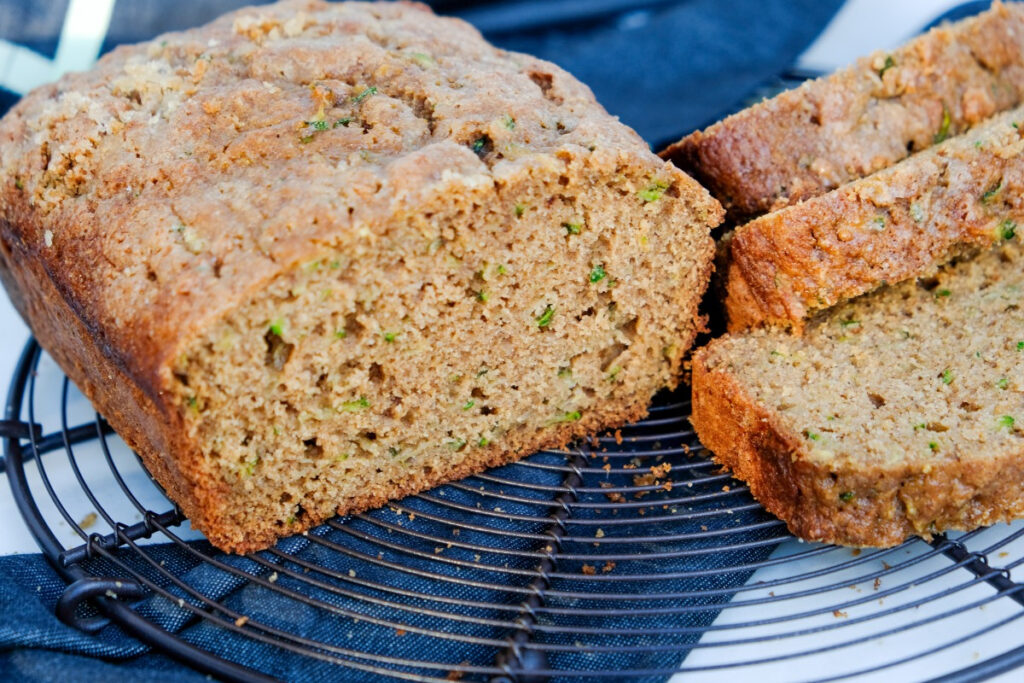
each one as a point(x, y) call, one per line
point(315, 255)
point(898, 413)
point(830, 131)
point(899, 223)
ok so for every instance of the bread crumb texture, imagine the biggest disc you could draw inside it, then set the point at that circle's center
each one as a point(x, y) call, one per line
point(314, 256)
point(898, 413)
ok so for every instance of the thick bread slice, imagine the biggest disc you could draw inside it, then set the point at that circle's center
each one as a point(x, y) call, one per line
point(314, 256)
point(899, 413)
point(899, 223)
point(830, 131)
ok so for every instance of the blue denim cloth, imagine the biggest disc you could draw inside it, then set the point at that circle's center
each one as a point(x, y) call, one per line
point(665, 68)
point(354, 608)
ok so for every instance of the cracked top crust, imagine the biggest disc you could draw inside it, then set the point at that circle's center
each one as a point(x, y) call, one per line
point(202, 164)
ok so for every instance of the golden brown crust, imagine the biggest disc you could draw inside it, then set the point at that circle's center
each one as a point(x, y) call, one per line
point(899, 223)
point(863, 118)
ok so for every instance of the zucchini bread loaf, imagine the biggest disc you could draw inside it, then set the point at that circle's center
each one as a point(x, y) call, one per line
point(895, 414)
point(845, 126)
point(314, 256)
point(896, 224)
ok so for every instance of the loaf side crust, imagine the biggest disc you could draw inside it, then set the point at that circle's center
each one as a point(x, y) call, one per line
point(899, 223)
point(865, 117)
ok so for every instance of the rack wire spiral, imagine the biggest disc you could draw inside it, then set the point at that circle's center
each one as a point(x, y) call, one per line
point(569, 565)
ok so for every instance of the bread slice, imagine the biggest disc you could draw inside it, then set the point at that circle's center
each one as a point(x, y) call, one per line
point(314, 256)
point(870, 115)
point(899, 413)
point(899, 223)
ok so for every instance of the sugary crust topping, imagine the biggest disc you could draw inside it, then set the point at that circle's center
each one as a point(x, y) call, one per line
point(899, 223)
point(863, 118)
point(197, 166)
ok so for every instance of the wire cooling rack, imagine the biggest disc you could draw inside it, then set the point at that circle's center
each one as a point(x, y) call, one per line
point(629, 556)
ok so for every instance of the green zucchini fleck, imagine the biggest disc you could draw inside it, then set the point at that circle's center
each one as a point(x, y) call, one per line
point(889, 63)
point(544, 319)
point(654, 190)
point(423, 59)
point(369, 92)
point(947, 376)
point(846, 496)
point(991, 193)
point(597, 273)
point(573, 228)
point(362, 403)
point(1007, 229)
point(944, 127)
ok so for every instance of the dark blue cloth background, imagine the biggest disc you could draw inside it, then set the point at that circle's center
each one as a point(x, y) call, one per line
point(665, 67)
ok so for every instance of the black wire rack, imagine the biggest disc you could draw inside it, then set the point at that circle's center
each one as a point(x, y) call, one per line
point(629, 556)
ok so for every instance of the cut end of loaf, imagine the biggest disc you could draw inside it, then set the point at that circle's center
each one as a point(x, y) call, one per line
point(449, 341)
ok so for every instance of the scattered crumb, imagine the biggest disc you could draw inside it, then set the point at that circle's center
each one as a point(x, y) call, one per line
point(438, 550)
point(352, 573)
point(839, 613)
point(241, 621)
point(726, 488)
point(476, 557)
point(614, 496)
point(878, 583)
point(771, 594)
point(886, 565)
point(88, 520)
point(599, 534)
point(1003, 554)
point(855, 552)
point(399, 632)
point(618, 436)
point(607, 467)
point(703, 527)
point(589, 569)
point(272, 578)
point(608, 566)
